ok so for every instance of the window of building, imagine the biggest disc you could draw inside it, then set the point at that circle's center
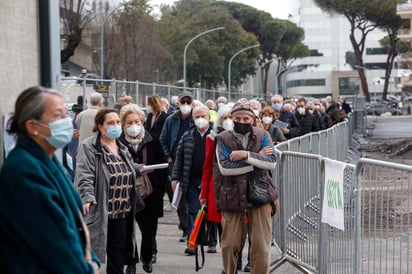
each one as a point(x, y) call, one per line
point(349, 85)
point(375, 51)
point(305, 83)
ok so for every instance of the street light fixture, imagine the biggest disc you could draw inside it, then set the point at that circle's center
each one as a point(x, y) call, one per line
point(230, 63)
point(102, 40)
point(185, 50)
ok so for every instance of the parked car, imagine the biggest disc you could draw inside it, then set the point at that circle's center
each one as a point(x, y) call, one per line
point(380, 107)
point(93, 80)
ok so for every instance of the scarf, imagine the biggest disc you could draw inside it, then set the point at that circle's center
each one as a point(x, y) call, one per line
point(135, 141)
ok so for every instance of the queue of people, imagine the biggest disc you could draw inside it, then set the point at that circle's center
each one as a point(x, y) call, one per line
point(214, 150)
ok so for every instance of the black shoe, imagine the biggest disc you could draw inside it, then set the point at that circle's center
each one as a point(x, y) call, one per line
point(131, 269)
point(247, 267)
point(183, 238)
point(239, 264)
point(154, 258)
point(190, 251)
point(147, 267)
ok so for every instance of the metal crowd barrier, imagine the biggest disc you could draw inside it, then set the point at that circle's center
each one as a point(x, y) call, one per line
point(384, 217)
point(303, 241)
point(377, 209)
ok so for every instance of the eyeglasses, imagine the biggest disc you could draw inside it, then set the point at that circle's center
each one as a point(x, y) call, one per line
point(187, 102)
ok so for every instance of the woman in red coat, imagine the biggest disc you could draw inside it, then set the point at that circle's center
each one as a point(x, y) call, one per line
point(207, 195)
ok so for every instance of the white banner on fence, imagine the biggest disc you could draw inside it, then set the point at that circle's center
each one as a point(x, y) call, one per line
point(332, 207)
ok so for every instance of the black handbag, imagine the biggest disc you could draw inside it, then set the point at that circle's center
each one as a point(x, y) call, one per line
point(260, 191)
point(203, 239)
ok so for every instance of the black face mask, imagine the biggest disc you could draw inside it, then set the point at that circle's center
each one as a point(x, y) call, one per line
point(242, 128)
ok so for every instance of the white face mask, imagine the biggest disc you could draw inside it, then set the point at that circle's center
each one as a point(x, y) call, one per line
point(267, 120)
point(220, 105)
point(185, 109)
point(149, 108)
point(228, 124)
point(257, 112)
point(201, 123)
point(301, 110)
point(134, 130)
point(310, 111)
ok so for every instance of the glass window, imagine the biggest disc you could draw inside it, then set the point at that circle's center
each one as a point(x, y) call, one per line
point(348, 85)
point(305, 83)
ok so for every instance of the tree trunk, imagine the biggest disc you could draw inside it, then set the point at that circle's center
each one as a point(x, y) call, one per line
point(265, 81)
point(359, 61)
point(389, 65)
point(73, 41)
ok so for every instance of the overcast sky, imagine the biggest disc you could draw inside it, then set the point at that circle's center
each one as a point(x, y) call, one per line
point(278, 8)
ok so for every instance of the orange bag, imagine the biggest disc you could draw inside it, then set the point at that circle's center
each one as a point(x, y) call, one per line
point(196, 226)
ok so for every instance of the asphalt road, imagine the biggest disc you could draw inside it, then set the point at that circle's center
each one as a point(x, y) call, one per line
point(391, 127)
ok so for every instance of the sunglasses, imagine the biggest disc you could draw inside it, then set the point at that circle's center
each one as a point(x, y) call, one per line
point(188, 102)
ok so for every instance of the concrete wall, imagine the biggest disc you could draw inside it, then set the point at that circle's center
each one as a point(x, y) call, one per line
point(19, 53)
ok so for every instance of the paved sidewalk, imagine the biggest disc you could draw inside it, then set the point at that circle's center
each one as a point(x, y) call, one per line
point(171, 258)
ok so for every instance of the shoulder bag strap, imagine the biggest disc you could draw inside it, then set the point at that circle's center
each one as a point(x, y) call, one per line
point(202, 251)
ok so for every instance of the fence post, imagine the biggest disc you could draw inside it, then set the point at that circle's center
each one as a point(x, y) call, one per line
point(323, 231)
point(114, 90)
point(136, 90)
point(357, 257)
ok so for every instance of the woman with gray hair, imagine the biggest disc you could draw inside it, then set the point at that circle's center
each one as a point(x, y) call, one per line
point(142, 146)
point(207, 195)
point(41, 228)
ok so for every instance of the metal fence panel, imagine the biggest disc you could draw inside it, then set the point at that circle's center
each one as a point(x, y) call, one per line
point(314, 143)
point(337, 247)
point(299, 178)
point(305, 144)
point(385, 217)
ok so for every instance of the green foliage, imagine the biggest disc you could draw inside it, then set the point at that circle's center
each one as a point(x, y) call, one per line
point(208, 55)
point(280, 39)
point(350, 58)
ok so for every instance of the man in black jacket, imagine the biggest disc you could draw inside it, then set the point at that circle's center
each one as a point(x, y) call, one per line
point(188, 166)
point(307, 121)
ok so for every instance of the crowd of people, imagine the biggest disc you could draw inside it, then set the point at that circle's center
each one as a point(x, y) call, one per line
point(91, 204)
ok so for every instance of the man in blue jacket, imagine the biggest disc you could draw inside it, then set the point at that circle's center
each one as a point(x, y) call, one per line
point(175, 126)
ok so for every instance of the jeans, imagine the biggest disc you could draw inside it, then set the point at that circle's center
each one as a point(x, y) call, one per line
point(193, 203)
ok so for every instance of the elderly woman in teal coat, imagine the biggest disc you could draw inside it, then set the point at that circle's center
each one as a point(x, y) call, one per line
point(41, 227)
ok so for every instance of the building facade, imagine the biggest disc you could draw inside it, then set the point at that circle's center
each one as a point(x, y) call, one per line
point(19, 50)
point(329, 70)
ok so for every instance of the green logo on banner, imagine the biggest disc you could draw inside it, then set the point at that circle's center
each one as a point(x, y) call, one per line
point(334, 195)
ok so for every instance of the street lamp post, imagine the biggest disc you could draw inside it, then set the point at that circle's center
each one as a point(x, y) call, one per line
point(230, 63)
point(185, 50)
point(102, 40)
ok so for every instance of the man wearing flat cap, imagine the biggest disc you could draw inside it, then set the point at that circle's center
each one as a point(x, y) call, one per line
point(175, 126)
point(242, 154)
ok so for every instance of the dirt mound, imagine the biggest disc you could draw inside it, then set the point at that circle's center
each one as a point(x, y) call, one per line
point(392, 150)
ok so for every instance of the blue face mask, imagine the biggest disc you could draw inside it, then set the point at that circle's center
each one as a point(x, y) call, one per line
point(277, 107)
point(114, 132)
point(61, 132)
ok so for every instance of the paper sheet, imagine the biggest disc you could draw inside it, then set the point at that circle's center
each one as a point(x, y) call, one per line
point(177, 195)
point(152, 167)
point(280, 124)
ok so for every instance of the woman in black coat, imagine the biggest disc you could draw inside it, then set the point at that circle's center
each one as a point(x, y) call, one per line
point(142, 147)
